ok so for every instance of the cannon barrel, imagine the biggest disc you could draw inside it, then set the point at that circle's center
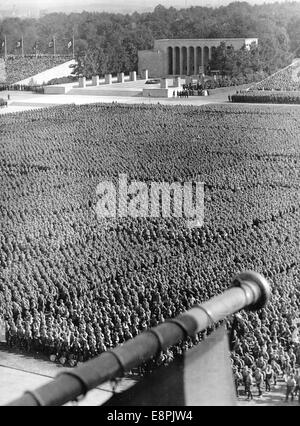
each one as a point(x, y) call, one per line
point(249, 290)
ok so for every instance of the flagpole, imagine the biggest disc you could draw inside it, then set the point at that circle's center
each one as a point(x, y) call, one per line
point(73, 45)
point(54, 46)
point(22, 45)
point(5, 47)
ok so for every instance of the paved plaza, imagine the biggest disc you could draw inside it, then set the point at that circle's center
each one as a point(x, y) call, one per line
point(20, 373)
point(125, 93)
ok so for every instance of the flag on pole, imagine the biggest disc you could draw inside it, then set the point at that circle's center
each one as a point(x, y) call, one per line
point(2, 43)
point(19, 43)
point(201, 377)
point(70, 44)
point(51, 44)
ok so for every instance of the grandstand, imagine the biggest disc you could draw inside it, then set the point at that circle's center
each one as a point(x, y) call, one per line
point(2, 71)
point(286, 79)
point(17, 68)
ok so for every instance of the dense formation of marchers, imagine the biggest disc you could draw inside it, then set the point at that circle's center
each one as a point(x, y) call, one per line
point(18, 68)
point(72, 286)
point(267, 97)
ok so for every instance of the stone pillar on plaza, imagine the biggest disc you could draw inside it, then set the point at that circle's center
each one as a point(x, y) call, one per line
point(95, 80)
point(82, 82)
point(133, 76)
point(121, 77)
point(108, 79)
point(164, 83)
point(145, 75)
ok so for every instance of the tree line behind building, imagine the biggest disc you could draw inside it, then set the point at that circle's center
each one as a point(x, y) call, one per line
point(108, 42)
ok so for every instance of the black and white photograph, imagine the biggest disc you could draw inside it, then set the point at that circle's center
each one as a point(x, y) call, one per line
point(149, 206)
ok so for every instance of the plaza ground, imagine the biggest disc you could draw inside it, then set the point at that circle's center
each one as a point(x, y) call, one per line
point(274, 398)
point(125, 93)
point(20, 373)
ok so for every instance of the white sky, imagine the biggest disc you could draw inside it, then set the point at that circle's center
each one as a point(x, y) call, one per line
point(43, 4)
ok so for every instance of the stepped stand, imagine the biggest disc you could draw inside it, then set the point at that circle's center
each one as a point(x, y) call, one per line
point(2, 70)
point(108, 79)
point(164, 83)
point(176, 82)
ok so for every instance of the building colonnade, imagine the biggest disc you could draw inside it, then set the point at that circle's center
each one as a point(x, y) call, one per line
point(188, 60)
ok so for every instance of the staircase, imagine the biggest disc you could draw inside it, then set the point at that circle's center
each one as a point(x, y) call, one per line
point(2, 71)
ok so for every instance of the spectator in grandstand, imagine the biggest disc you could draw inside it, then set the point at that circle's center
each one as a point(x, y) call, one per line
point(19, 68)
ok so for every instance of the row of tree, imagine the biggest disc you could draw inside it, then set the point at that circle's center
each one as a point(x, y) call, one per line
point(109, 42)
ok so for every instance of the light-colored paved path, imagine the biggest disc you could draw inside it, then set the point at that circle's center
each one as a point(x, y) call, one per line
point(125, 93)
point(274, 398)
point(19, 373)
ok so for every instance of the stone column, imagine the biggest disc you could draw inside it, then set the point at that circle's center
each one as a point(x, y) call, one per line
point(188, 61)
point(195, 61)
point(210, 53)
point(95, 80)
point(180, 61)
point(121, 77)
point(108, 79)
point(82, 82)
point(202, 57)
point(133, 76)
point(174, 60)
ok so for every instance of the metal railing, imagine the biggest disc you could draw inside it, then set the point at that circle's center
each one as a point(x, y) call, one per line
point(249, 290)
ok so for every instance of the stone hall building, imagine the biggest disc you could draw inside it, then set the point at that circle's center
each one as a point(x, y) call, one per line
point(184, 56)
